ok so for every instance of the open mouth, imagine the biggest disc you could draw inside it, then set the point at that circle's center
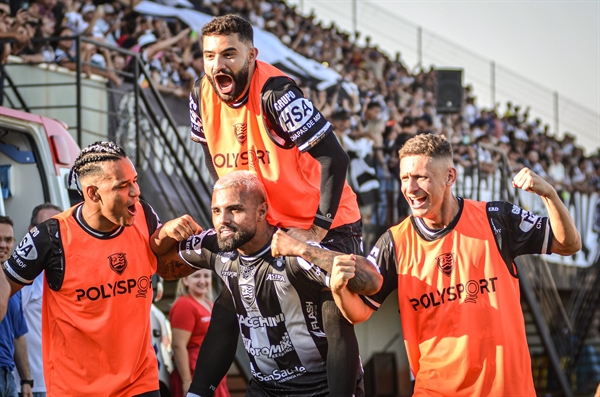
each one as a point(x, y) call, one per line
point(132, 209)
point(417, 202)
point(224, 82)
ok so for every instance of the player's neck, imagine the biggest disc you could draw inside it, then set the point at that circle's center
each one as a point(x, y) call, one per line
point(263, 236)
point(447, 213)
point(93, 217)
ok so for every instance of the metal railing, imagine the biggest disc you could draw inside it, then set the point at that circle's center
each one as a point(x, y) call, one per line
point(173, 181)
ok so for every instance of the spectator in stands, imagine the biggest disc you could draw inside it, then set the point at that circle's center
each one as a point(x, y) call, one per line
point(195, 66)
point(43, 8)
point(64, 54)
point(31, 299)
point(160, 69)
point(425, 124)
point(107, 24)
point(486, 164)
point(556, 171)
point(38, 52)
point(189, 317)
point(6, 32)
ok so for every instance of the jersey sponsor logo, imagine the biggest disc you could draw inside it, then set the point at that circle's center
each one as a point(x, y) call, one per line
point(259, 321)
point(271, 351)
point(309, 124)
point(284, 100)
point(26, 250)
point(445, 263)
point(297, 115)
point(279, 375)
point(247, 292)
point(312, 315)
point(493, 209)
point(118, 262)
point(235, 160)
point(529, 221)
point(194, 243)
point(275, 277)
point(139, 287)
point(468, 292)
point(241, 132)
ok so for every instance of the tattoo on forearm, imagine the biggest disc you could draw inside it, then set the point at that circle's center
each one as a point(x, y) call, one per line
point(366, 276)
point(172, 269)
point(365, 280)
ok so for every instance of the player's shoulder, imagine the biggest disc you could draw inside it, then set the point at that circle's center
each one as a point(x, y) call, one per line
point(279, 83)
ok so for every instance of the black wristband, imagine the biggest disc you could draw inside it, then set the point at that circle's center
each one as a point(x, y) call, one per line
point(27, 382)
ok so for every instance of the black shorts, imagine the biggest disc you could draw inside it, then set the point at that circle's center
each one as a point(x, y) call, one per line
point(346, 239)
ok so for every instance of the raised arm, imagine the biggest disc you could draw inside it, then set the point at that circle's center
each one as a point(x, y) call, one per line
point(366, 279)
point(166, 236)
point(171, 263)
point(567, 240)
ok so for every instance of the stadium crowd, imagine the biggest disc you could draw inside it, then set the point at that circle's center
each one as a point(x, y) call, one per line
point(387, 104)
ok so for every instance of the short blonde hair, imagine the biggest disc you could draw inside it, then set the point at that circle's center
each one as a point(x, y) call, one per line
point(430, 145)
point(246, 179)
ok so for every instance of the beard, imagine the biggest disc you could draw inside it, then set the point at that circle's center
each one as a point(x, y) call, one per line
point(240, 79)
point(239, 238)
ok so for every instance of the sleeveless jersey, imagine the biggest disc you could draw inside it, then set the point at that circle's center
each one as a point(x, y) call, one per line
point(96, 335)
point(459, 299)
point(278, 308)
point(239, 139)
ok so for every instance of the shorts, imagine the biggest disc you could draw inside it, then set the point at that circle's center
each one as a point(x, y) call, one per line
point(346, 239)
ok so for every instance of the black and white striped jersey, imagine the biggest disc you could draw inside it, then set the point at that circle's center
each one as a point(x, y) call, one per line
point(277, 301)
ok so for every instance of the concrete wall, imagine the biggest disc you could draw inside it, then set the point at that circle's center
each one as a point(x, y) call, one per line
point(93, 96)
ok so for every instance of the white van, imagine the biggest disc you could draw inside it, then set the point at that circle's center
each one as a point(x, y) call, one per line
point(36, 155)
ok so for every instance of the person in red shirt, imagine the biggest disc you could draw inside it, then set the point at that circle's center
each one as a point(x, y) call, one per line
point(190, 317)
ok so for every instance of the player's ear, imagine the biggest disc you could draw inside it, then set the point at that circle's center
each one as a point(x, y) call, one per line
point(91, 192)
point(262, 211)
point(252, 54)
point(451, 176)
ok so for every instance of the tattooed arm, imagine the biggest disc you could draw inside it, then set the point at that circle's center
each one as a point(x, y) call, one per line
point(171, 265)
point(366, 280)
point(351, 305)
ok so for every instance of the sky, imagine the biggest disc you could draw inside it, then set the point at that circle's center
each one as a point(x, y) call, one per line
point(538, 47)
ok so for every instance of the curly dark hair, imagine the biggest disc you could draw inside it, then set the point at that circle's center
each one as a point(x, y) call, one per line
point(230, 24)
